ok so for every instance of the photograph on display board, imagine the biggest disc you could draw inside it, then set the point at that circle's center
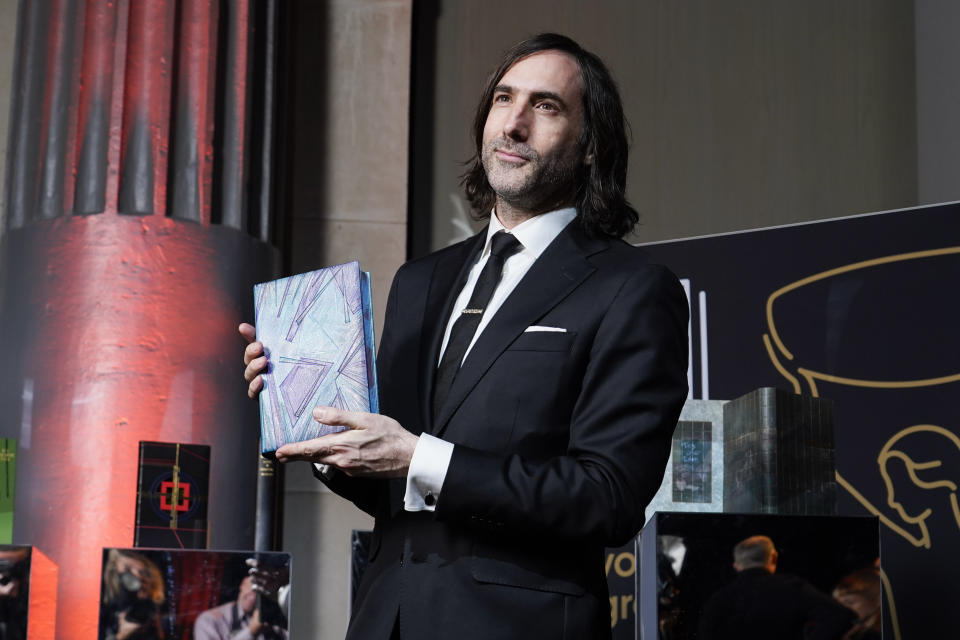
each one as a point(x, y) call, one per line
point(197, 595)
point(14, 592)
point(8, 476)
point(715, 576)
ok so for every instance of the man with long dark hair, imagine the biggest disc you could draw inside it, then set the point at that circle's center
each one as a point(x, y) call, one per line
point(595, 182)
point(530, 379)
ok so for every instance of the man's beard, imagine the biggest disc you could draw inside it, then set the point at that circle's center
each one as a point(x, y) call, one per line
point(540, 184)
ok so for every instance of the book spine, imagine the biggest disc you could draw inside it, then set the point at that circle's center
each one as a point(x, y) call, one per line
point(141, 498)
point(366, 301)
point(266, 527)
point(768, 441)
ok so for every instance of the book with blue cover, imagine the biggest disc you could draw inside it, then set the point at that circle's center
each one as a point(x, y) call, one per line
point(317, 333)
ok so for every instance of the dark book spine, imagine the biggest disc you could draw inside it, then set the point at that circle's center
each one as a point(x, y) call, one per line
point(268, 518)
point(142, 497)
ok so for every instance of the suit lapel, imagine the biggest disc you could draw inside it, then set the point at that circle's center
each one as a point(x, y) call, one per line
point(559, 270)
point(449, 274)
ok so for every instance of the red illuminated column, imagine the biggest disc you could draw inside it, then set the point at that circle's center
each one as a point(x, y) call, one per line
point(123, 277)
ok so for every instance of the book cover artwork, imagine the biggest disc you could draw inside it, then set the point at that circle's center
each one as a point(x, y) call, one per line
point(8, 476)
point(173, 484)
point(317, 333)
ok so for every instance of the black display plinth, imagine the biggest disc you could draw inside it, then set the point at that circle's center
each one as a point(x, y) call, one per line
point(685, 557)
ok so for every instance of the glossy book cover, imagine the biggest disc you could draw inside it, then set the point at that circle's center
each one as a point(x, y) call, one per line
point(317, 333)
point(8, 476)
point(173, 484)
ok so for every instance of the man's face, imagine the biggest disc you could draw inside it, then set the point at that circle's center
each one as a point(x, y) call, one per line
point(139, 569)
point(531, 148)
point(248, 597)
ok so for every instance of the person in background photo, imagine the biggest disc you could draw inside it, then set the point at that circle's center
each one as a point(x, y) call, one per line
point(132, 595)
point(860, 592)
point(761, 604)
point(254, 615)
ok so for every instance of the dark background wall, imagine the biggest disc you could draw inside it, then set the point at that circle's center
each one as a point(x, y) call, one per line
point(744, 114)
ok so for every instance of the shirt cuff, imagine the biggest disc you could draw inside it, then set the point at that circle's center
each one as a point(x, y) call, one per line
point(323, 471)
point(428, 469)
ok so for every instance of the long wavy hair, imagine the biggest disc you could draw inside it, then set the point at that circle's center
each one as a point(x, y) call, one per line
point(601, 202)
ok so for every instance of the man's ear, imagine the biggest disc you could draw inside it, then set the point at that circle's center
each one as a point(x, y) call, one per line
point(588, 159)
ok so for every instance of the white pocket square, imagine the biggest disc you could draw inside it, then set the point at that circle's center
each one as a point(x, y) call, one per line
point(536, 327)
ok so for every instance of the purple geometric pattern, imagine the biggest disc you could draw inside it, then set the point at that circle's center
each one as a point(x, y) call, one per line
point(349, 282)
point(318, 342)
point(301, 383)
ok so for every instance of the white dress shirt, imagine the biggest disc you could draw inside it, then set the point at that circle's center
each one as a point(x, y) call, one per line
point(431, 458)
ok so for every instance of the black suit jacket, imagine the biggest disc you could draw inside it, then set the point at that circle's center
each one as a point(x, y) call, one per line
point(560, 442)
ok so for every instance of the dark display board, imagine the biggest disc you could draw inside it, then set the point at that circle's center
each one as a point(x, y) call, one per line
point(686, 558)
point(620, 565)
point(173, 483)
point(862, 311)
point(28, 594)
point(187, 594)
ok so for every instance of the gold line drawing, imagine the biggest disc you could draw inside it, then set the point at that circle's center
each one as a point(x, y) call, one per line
point(783, 370)
point(812, 376)
point(777, 351)
point(888, 590)
point(900, 257)
point(908, 439)
point(914, 540)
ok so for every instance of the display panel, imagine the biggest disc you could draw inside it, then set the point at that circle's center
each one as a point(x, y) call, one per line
point(202, 595)
point(172, 488)
point(28, 594)
point(687, 567)
point(858, 310)
point(8, 477)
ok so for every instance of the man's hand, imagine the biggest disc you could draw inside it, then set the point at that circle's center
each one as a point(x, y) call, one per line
point(254, 625)
point(126, 628)
point(11, 589)
point(374, 445)
point(267, 580)
point(254, 360)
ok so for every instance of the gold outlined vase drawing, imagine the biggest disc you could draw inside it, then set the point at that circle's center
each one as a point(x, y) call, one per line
point(920, 463)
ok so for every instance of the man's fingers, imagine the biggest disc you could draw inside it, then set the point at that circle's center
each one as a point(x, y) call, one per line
point(312, 450)
point(256, 385)
point(248, 331)
point(341, 418)
point(255, 368)
point(252, 351)
point(253, 359)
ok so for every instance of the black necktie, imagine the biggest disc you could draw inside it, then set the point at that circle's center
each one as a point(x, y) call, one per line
point(502, 246)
